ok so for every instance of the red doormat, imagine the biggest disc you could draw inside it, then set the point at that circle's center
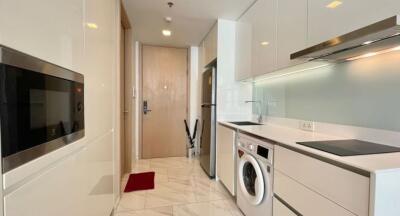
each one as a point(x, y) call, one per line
point(140, 181)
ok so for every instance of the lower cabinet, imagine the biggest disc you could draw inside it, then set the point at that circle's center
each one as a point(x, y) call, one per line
point(226, 138)
point(307, 202)
point(279, 209)
point(314, 187)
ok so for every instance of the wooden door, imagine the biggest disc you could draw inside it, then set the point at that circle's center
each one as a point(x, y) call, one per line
point(165, 88)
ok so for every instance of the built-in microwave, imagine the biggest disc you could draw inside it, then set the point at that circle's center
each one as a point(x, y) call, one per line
point(41, 107)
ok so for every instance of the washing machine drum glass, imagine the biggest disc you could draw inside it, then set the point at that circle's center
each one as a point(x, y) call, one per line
point(251, 179)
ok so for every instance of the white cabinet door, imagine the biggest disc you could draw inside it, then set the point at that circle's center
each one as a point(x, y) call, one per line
point(348, 189)
point(325, 23)
point(243, 48)
point(281, 210)
point(263, 20)
point(210, 45)
point(226, 157)
point(291, 30)
point(201, 57)
point(256, 40)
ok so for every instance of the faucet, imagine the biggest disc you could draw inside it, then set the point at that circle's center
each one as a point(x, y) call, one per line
point(260, 118)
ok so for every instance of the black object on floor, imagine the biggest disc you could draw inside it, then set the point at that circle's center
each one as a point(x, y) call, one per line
point(190, 137)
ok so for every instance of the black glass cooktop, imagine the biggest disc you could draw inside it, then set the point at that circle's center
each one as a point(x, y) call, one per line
point(350, 147)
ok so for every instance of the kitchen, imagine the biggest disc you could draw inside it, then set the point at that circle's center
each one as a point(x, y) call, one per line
point(290, 107)
point(342, 95)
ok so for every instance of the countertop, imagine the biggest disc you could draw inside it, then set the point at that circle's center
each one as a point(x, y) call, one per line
point(289, 136)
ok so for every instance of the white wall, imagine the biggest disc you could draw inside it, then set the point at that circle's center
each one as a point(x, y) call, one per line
point(77, 179)
point(231, 94)
point(194, 87)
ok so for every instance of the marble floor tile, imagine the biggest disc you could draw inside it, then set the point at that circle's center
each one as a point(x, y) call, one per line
point(218, 208)
point(162, 211)
point(181, 188)
point(132, 201)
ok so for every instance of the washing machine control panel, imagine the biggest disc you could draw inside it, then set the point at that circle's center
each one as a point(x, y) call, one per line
point(257, 147)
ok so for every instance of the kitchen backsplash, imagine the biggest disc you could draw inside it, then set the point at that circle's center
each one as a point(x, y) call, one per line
point(363, 93)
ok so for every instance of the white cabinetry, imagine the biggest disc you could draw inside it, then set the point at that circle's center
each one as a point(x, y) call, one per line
point(226, 140)
point(299, 177)
point(243, 48)
point(281, 210)
point(210, 45)
point(325, 23)
point(256, 40)
point(201, 57)
point(291, 30)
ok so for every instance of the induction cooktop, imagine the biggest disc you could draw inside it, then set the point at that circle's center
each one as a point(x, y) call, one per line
point(351, 147)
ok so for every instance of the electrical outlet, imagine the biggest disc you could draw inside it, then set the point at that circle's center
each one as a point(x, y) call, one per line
point(307, 125)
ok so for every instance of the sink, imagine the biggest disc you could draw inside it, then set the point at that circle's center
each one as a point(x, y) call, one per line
point(244, 123)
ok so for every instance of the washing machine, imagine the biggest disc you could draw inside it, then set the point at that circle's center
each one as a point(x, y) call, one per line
point(254, 176)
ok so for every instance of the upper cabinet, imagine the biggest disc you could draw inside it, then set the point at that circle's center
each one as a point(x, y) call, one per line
point(270, 30)
point(326, 21)
point(243, 48)
point(256, 40)
point(291, 30)
point(210, 45)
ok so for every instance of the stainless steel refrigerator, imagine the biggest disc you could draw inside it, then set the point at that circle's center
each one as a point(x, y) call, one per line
point(208, 116)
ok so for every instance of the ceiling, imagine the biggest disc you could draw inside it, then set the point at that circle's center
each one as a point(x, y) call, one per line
point(191, 19)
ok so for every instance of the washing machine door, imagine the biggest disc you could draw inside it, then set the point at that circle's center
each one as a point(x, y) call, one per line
point(251, 180)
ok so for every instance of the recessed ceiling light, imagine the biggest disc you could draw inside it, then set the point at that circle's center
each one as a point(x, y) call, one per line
point(396, 48)
point(92, 25)
point(334, 4)
point(166, 32)
point(368, 42)
point(264, 43)
point(168, 19)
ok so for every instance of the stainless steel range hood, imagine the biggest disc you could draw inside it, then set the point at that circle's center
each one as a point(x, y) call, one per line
point(380, 37)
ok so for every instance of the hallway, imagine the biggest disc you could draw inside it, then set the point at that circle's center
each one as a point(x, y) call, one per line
point(181, 188)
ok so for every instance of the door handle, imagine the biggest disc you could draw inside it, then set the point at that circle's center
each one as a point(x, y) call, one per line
point(146, 107)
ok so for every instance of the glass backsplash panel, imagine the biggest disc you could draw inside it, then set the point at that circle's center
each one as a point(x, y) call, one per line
point(363, 93)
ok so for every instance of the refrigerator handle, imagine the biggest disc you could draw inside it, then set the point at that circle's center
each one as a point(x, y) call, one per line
point(201, 134)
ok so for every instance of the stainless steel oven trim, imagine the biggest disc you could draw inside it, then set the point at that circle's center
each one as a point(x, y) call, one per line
point(1, 179)
point(20, 158)
point(15, 58)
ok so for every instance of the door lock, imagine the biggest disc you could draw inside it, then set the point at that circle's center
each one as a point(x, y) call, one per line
point(146, 107)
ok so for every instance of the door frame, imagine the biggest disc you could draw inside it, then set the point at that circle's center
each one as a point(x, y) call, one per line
point(121, 23)
point(140, 95)
point(127, 144)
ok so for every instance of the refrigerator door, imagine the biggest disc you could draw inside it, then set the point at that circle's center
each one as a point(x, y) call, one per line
point(208, 87)
point(208, 115)
point(207, 140)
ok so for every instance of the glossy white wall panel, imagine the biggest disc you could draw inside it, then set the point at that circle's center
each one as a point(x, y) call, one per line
point(48, 29)
point(291, 30)
point(98, 171)
point(98, 67)
point(230, 93)
point(58, 191)
point(66, 182)
point(101, 72)
point(325, 23)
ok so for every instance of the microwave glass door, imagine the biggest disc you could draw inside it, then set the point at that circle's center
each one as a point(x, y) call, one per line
point(36, 108)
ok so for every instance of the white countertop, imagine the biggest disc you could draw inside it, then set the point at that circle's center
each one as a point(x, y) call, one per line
point(289, 136)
